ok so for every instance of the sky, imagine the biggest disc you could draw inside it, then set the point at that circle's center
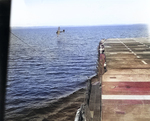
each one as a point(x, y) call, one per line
point(79, 12)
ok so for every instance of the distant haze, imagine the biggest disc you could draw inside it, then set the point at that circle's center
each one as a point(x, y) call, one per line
point(79, 12)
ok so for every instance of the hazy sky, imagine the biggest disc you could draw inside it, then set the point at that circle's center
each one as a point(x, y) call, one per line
point(79, 12)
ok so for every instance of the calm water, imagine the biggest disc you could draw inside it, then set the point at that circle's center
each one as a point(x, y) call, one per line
point(44, 67)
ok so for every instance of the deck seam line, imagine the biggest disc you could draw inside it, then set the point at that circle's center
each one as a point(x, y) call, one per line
point(126, 97)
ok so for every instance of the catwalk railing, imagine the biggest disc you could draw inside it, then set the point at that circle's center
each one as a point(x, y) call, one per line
point(83, 113)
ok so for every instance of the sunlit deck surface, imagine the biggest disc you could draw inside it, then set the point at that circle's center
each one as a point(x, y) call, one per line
point(126, 84)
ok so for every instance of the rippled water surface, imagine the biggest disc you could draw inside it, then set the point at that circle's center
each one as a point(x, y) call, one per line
point(44, 67)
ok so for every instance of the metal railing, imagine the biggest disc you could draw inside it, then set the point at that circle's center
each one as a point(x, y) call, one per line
point(83, 113)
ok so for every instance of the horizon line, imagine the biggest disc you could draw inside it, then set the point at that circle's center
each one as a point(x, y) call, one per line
point(75, 25)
